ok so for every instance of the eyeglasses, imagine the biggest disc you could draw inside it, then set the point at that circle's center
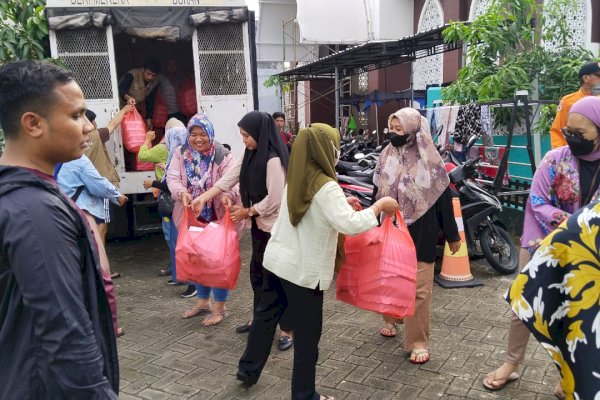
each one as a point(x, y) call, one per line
point(568, 132)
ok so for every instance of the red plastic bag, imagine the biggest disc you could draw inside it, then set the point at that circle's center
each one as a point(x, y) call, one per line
point(187, 98)
point(380, 271)
point(133, 130)
point(208, 254)
point(160, 113)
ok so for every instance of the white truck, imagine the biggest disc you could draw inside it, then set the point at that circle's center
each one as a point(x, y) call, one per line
point(211, 40)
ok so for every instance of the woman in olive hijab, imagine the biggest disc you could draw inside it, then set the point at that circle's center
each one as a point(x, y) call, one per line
point(300, 256)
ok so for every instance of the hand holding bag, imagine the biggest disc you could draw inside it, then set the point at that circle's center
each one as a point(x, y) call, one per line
point(208, 255)
point(380, 270)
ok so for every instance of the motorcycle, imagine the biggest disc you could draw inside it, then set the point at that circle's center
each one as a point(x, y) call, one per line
point(356, 188)
point(486, 236)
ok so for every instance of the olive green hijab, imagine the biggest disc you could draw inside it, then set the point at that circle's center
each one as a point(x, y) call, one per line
point(312, 164)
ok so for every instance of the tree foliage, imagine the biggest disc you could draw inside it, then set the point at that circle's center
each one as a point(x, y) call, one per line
point(23, 30)
point(23, 33)
point(506, 50)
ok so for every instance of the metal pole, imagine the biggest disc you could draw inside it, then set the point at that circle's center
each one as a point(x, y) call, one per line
point(337, 97)
point(377, 121)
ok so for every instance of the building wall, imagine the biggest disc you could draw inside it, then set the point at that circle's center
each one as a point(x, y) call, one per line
point(321, 108)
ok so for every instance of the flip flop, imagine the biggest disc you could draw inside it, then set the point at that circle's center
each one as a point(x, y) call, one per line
point(194, 312)
point(488, 383)
point(222, 315)
point(115, 275)
point(418, 353)
point(390, 327)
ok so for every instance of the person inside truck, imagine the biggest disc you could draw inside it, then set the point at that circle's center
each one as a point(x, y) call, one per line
point(57, 335)
point(169, 85)
point(138, 88)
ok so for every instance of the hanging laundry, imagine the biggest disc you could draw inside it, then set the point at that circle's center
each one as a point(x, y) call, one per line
point(487, 126)
point(468, 123)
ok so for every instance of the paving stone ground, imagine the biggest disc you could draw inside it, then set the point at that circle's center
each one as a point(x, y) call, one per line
point(163, 356)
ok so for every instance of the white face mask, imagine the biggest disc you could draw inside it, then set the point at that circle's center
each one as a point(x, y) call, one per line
point(596, 89)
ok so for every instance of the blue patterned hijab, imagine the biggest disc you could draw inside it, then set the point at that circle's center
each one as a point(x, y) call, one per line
point(198, 165)
point(174, 138)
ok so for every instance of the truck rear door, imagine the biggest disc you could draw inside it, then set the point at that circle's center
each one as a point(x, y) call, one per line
point(223, 77)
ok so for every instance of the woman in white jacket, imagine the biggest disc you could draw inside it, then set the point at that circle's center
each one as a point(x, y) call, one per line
point(299, 259)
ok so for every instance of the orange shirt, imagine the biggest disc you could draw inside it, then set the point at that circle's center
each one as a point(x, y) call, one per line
point(560, 121)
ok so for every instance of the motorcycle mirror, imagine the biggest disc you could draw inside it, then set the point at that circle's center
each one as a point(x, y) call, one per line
point(472, 141)
point(359, 156)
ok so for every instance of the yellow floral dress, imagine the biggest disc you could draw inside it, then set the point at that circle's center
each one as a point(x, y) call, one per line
point(557, 295)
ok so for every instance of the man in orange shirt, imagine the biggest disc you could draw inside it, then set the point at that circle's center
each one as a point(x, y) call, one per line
point(589, 80)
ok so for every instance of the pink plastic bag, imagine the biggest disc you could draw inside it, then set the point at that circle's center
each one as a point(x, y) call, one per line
point(380, 270)
point(133, 130)
point(209, 254)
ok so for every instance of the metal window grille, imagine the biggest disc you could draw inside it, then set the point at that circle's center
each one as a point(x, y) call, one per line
point(85, 52)
point(221, 59)
point(363, 119)
point(363, 82)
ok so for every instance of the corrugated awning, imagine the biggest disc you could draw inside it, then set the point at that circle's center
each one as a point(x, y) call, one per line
point(372, 55)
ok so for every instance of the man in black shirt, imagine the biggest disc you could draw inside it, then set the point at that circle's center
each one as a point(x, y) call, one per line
point(56, 335)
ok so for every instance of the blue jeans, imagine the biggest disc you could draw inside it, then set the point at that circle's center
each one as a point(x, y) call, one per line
point(220, 295)
point(173, 243)
point(166, 228)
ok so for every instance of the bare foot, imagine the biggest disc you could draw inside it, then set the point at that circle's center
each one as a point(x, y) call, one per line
point(215, 318)
point(498, 378)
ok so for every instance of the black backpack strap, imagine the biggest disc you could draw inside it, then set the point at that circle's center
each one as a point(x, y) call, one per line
point(77, 193)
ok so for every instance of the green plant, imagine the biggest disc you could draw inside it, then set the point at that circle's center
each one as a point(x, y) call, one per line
point(506, 51)
point(275, 81)
point(23, 30)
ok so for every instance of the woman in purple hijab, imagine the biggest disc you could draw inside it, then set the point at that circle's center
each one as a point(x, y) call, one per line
point(566, 180)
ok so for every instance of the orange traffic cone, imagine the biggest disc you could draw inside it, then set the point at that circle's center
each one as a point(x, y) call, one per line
point(456, 270)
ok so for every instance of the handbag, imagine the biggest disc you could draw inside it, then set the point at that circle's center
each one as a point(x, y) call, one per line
point(165, 204)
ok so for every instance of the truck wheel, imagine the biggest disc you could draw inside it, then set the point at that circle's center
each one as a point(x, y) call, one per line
point(499, 249)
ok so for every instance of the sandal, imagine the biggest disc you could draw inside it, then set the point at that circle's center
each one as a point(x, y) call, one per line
point(323, 397)
point(417, 353)
point(120, 332)
point(194, 312)
point(220, 316)
point(388, 330)
point(488, 381)
point(115, 275)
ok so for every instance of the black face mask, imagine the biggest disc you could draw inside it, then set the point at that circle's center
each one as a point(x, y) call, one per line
point(398, 140)
point(580, 146)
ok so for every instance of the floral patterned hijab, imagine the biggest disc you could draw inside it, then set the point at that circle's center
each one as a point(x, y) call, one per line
point(198, 165)
point(414, 174)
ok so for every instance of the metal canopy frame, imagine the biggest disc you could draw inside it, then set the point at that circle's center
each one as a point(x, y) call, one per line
point(372, 55)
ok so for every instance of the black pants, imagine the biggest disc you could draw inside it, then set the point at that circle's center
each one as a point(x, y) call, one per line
point(259, 244)
point(305, 306)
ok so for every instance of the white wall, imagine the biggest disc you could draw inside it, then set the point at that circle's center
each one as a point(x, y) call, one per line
point(269, 39)
point(333, 21)
point(392, 19)
point(269, 99)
